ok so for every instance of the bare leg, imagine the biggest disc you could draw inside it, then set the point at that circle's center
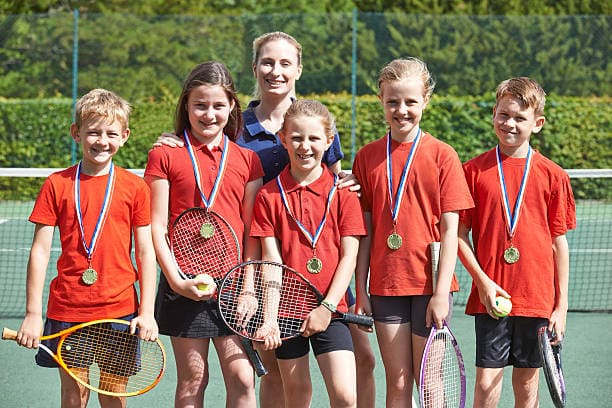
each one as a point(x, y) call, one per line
point(271, 393)
point(525, 384)
point(237, 371)
point(73, 394)
point(487, 389)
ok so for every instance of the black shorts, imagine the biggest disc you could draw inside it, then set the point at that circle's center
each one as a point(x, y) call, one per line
point(336, 337)
point(406, 309)
point(77, 351)
point(178, 316)
point(512, 340)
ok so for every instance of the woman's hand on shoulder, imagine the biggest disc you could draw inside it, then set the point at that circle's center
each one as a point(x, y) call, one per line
point(348, 180)
point(168, 139)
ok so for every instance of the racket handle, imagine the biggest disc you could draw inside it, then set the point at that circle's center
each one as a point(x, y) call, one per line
point(253, 355)
point(8, 334)
point(361, 320)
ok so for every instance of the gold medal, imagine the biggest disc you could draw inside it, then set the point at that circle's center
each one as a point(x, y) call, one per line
point(314, 265)
point(511, 255)
point(207, 230)
point(394, 241)
point(89, 277)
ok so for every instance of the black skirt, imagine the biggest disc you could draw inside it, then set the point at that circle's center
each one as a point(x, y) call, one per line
point(179, 316)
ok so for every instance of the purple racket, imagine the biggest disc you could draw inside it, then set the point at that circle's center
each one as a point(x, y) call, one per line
point(442, 379)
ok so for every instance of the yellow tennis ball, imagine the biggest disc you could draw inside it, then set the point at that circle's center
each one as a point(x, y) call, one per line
point(206, 284)
point(504, 305)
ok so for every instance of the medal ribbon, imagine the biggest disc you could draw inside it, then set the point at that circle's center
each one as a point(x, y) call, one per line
point(394, 206)
point(89, 249)
point(208, 202)
point(512, 218)
point(312, 239)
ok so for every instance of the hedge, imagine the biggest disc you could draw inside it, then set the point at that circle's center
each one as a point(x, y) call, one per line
point(35, 133)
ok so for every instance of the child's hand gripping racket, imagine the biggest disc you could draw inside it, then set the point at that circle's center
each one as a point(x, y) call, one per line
point(283, 297)
point(442, 381)
point(203, 242)
point(553, 369)
point(103, 356)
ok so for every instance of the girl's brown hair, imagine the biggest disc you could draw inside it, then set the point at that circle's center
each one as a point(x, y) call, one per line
point(209, 73)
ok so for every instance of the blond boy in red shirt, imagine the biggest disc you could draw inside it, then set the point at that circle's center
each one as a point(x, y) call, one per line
point(96, 206)
point(524, 207)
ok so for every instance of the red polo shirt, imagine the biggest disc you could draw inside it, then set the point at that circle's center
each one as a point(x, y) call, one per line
point(173, 164)
point(271, 219)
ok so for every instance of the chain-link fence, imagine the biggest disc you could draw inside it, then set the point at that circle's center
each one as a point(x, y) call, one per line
point(63, 54)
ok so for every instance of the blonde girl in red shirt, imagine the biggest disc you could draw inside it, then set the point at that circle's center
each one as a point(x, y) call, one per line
point(412, 187)
point(302, 209)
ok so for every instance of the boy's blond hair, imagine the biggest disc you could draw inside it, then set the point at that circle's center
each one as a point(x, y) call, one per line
point(526, 90)
point(407, 68)
point(307, 107)
point(101, 103)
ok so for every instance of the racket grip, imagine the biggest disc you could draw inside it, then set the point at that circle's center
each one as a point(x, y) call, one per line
point(253, 355)
point(8, 334)
point(361, 320)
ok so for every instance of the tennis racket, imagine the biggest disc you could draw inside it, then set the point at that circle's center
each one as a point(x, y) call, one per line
point(551, 363)
point(442, 379)
point(103, 356)
point(275, 290)
point(203, 242)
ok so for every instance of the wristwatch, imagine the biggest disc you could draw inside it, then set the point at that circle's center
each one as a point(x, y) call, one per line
point(329, 306)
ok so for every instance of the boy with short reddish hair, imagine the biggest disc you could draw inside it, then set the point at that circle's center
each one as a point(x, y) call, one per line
point(524, 207)
point(96, 207)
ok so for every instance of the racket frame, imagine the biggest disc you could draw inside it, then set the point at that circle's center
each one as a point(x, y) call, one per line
point(553, 371)
point(461, 366)
point(226, 290)
point(8, 334)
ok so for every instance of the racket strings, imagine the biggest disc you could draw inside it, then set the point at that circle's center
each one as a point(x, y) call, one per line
point(203, 243)
point(280, 295)
point(441, 382)
point(112, 360)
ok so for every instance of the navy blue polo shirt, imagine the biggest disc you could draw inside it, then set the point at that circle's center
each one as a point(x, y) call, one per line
point(269, 148)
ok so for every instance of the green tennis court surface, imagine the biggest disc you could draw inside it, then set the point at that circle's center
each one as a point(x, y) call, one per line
point(586, 360)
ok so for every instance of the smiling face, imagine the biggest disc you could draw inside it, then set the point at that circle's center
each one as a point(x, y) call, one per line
point(514, 123)
point(306, 140)
point(100, 139)
point(403, 102)
point(208, 109)
point(277, 68)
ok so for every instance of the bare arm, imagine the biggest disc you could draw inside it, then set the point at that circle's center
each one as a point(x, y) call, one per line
point(559, 314)
point(488, 290)
point(252, 249)
point(160, 192)
point(437, 309)
point(362, 271)
point(147, 278)
point(31, 327)
point(318, 320)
